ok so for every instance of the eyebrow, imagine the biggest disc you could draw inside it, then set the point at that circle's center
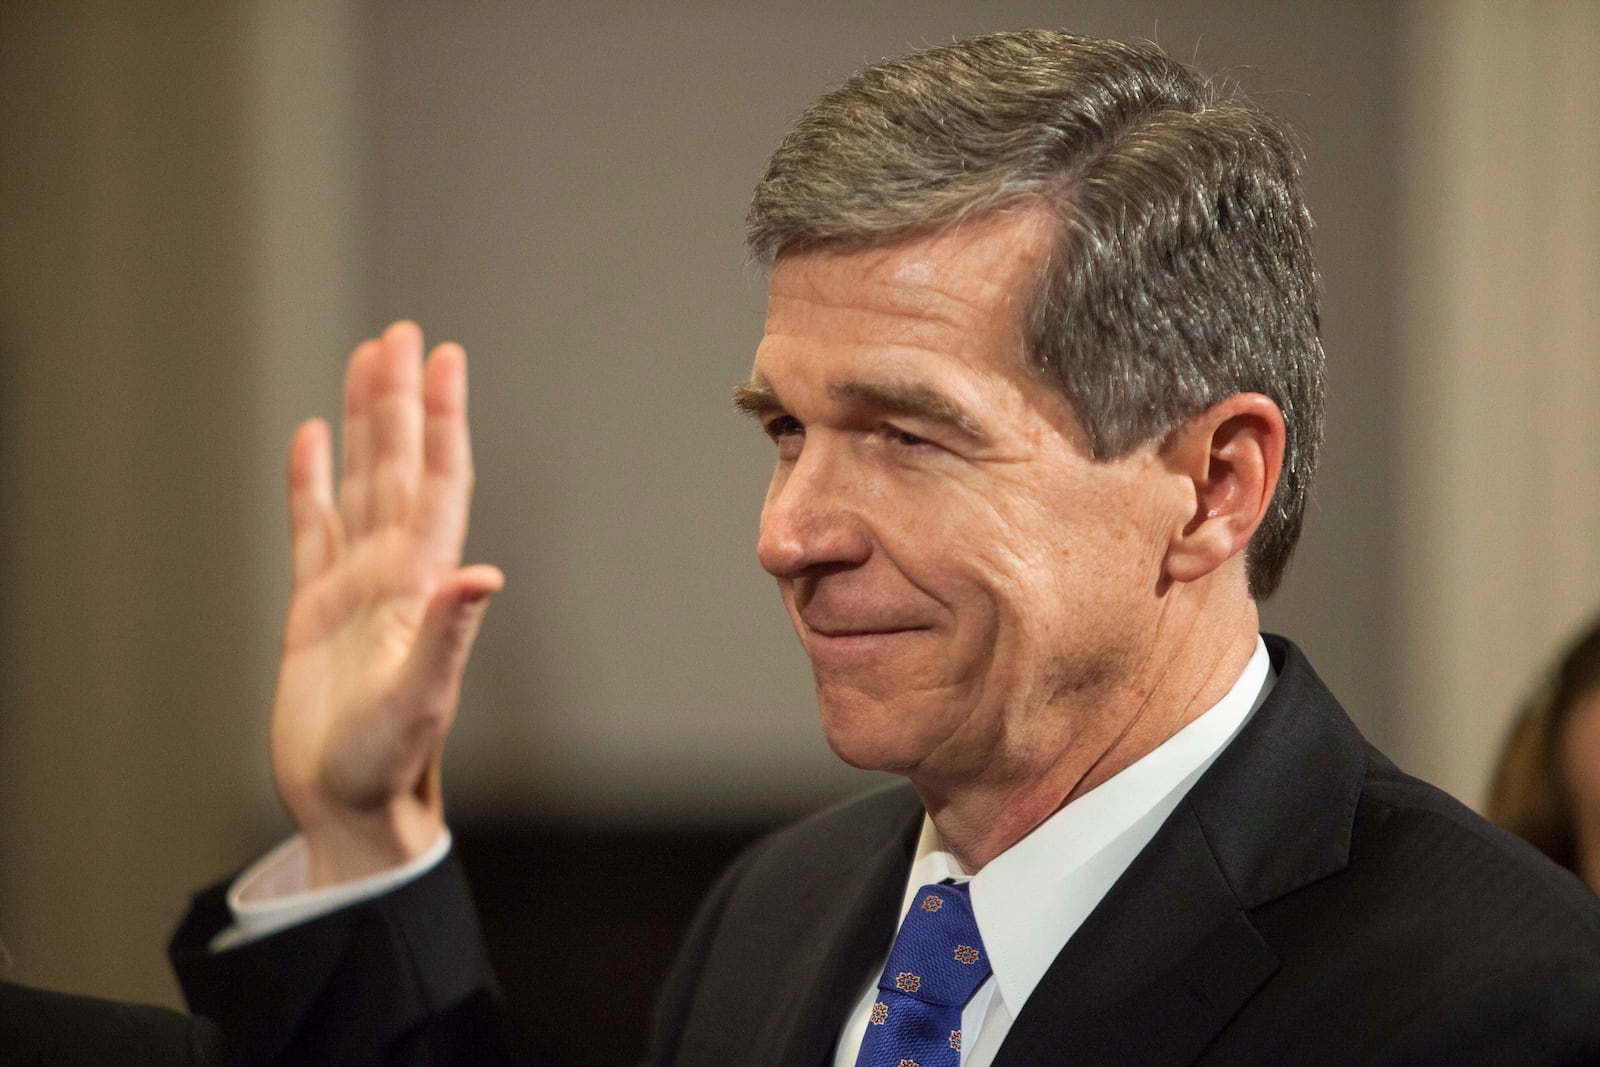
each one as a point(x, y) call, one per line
point(757, 398)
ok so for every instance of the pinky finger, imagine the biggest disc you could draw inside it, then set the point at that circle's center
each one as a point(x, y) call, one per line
point(313, 518)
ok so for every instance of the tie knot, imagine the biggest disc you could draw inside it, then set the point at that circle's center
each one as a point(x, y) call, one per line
point(937, 957)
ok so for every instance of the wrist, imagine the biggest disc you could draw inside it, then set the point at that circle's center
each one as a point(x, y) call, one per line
point(355, 845)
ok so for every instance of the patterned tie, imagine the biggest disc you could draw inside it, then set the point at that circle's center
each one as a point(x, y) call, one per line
point(935, 966)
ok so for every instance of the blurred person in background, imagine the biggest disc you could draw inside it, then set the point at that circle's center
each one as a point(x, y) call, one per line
point(1546, 786)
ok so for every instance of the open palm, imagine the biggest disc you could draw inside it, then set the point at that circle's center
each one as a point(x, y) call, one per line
point(383, 616)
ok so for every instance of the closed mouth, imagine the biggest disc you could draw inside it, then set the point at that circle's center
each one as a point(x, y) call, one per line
point(846, 631)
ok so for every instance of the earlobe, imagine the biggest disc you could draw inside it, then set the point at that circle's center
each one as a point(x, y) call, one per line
point(1229, 457)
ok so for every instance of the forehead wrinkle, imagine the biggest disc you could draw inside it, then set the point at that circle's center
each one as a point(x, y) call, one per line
point(855, 317)
point(924, 290)
point(964, 289)
point(919, 296)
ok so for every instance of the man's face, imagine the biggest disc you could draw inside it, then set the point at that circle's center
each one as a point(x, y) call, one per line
point(965, 579)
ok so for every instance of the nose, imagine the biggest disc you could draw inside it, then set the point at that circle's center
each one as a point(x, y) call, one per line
point(813, 517)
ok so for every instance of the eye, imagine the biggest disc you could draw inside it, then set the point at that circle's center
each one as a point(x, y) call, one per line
point(788, 433)
point(780, 426)
point(905, 438)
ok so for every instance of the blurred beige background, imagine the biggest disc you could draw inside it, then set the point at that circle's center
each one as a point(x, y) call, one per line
point(204, 206)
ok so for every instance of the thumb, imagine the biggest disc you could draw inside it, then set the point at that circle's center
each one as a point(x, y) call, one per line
point(449, 627)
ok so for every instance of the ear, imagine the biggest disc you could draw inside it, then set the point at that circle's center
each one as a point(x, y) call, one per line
point(1229, 456)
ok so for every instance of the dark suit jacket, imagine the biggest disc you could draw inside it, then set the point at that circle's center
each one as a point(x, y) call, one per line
point(1306, 903)
point(42, 1029)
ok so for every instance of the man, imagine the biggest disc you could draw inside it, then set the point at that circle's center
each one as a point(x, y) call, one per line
point(1042, 373)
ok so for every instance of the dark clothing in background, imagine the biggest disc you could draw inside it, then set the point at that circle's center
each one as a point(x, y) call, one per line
point(43, 1029)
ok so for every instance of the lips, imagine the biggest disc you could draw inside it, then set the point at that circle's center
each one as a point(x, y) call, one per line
point(861, 632)
point(830, 611)
point(826, 624)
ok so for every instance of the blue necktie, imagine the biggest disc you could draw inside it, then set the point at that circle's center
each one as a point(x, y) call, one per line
point(935, 966)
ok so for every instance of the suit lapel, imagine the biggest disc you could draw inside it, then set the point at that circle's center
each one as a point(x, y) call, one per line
point(1153, 973)
point(1171, 955)
point(853, 931)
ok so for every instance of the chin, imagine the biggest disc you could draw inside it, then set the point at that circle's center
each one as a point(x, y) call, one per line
point(870, 735)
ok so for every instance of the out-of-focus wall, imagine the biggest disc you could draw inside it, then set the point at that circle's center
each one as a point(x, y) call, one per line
point(562, 188)
point(202, 210)
point(1499, 486)
point(133, 660)
point(178, 254)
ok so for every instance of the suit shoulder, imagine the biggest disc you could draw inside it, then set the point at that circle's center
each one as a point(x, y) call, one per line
point(813, 899)
point(828, 848)
point(832, 845)
point(1436, 911)
point(1419, 832)
point(1437, 931)
point(854, 825)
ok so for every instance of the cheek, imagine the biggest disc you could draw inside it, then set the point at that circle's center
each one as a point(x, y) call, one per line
point(1007, 567)
point(1082, 550)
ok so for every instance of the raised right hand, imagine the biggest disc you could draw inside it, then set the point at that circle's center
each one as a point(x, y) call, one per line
point(383, 616)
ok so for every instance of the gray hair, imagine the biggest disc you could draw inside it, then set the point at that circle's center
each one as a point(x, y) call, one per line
point(1183, 271)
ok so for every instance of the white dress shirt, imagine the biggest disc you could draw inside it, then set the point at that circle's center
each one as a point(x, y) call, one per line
point(274, 892)
point(1031, 899)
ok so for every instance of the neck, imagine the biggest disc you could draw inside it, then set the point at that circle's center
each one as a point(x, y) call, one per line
point(1175, 682)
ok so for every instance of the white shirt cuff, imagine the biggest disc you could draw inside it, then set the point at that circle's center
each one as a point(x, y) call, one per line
point(274, 893)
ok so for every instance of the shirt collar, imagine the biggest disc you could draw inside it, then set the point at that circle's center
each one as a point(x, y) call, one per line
point(1032, 898)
